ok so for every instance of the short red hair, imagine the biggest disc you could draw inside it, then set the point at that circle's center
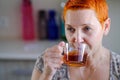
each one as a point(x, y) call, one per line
point(99, 6)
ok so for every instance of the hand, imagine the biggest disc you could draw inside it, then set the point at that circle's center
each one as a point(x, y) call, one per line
point(53, 59)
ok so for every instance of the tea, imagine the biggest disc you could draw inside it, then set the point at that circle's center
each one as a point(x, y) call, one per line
point(73, 58)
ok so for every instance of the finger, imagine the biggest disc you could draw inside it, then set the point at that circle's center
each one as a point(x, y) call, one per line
point(59, 47)
point(52, 55)
point(54, 65)
point(54, 52)
point(56, 49)
point(54, 60)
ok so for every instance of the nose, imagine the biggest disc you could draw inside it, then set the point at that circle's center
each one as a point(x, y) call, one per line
point(78, 36)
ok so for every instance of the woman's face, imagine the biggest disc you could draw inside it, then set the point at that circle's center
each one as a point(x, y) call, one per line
point(82, 26)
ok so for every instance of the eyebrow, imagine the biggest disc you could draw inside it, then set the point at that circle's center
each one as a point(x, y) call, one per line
point(79, 25)
point(68, 25)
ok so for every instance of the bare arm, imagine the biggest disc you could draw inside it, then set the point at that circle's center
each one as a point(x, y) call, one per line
point(37, 75)
point(52, 60)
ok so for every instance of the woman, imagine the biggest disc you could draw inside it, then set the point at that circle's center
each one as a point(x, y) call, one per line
point(86, 21)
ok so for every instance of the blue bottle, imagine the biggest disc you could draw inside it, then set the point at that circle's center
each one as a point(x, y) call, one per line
point(52, 29)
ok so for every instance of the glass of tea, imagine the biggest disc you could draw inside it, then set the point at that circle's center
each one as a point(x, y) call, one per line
point(75, 56)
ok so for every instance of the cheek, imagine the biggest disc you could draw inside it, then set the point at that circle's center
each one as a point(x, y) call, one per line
point(68, 36)
point(94, 41)
point(92, 44)
point(97, 36)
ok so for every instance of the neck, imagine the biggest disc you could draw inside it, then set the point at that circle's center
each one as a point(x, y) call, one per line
point(98, 57)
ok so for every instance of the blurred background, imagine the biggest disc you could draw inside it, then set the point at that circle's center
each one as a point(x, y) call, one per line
point(28, 27)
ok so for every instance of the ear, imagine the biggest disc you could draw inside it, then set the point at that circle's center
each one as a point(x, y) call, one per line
point(106, 26)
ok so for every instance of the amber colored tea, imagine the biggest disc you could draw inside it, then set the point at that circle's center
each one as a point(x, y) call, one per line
point(74, 59)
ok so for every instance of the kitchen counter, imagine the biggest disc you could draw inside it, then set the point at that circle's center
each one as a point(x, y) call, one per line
point(21, 50)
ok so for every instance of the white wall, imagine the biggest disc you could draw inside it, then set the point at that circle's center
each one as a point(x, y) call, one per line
point(10, 14)
point(112, 41)
point(9, 18)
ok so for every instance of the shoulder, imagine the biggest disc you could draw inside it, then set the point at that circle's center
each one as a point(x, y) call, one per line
point(115, 57)
point(39, 64)
point(115, 64)
point(115, 54)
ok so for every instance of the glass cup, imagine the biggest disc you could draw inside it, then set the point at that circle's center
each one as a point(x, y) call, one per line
point(75, 56)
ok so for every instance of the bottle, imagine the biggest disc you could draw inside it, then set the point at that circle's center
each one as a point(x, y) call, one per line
point(42, 25)
point(52, 28)
point(28, 31)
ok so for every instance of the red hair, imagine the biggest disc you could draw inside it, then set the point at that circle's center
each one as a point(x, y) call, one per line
point(99, 6)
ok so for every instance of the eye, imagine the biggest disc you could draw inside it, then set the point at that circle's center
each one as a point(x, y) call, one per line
point(72, 30)
point(87, 28)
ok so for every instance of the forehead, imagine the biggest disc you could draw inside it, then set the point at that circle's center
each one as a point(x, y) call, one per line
point(79, 17)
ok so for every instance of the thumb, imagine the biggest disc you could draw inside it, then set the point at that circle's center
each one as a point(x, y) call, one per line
point(62, 44)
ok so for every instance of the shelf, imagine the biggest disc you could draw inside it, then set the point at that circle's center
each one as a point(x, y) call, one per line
point(20, 50)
